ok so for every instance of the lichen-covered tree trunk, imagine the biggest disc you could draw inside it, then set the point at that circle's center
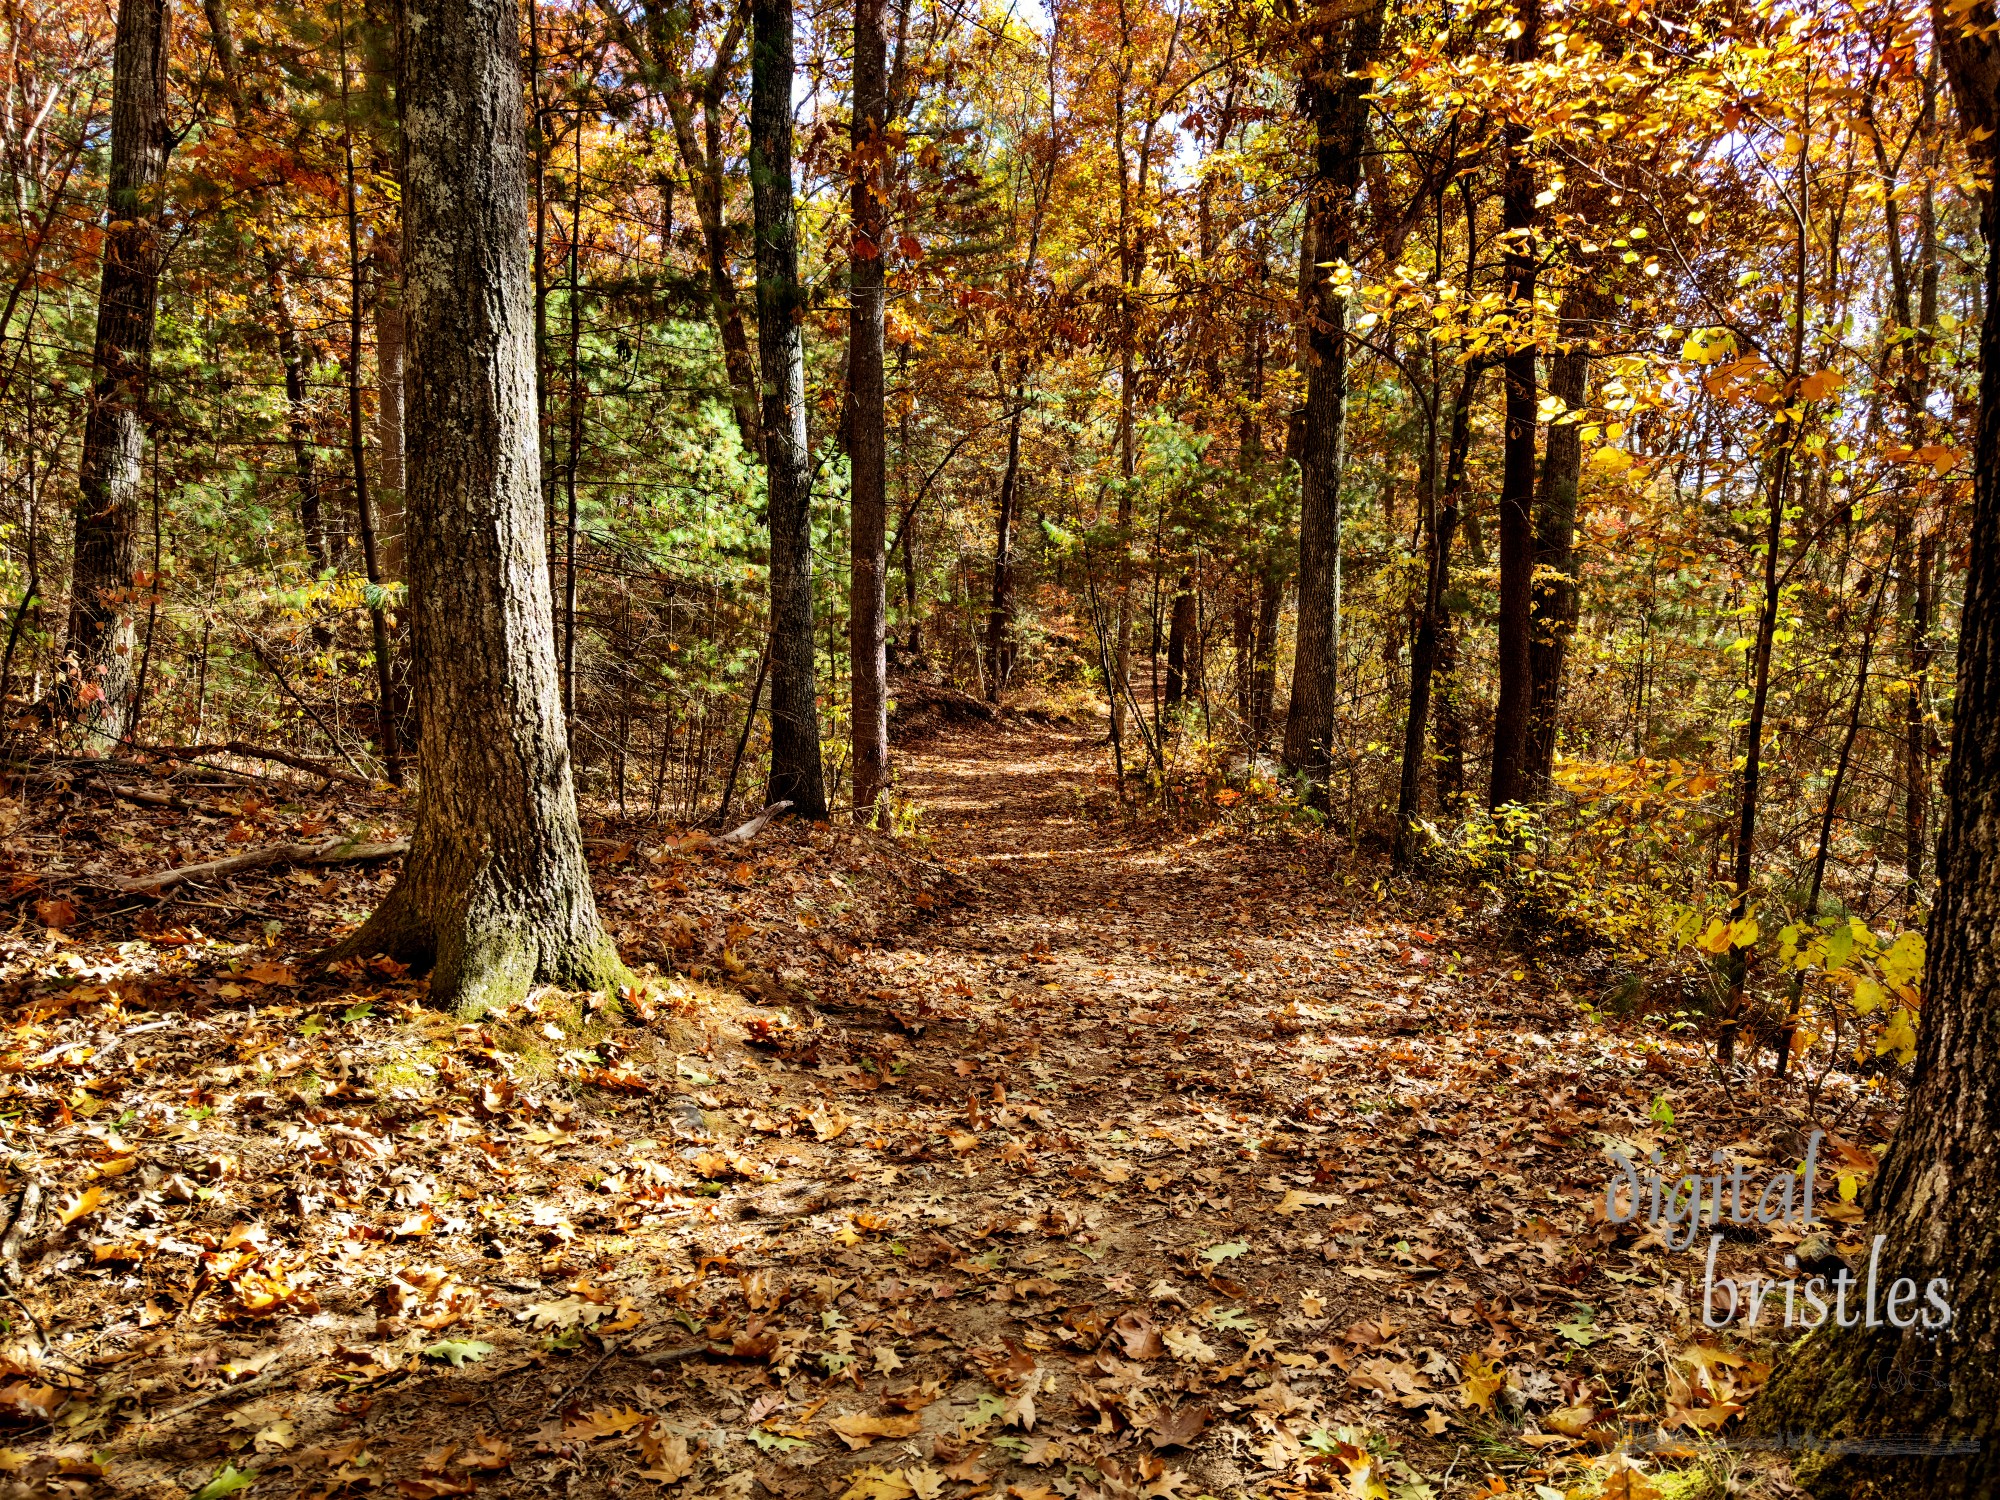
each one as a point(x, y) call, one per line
point(1336, 97)
point(797, 775)
point(495, 893)
point(1935, 1193)
point(109, 482)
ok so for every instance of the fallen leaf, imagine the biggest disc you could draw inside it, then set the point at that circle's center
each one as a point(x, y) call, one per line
point(607, 1422)
point(858, 1430)
point(1179, 1426)
point(56, 912)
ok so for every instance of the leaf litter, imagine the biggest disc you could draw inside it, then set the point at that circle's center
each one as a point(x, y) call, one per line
point(1045, 1155)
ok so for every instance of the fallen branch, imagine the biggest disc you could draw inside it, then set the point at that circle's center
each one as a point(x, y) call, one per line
point(755, 826)
point(249, 751)
point(335, 851)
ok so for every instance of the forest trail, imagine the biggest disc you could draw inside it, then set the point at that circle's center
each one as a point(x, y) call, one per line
point(1072, 1157)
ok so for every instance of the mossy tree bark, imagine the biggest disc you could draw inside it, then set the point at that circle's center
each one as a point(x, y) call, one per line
point(1934, 1197)
point(495, 894)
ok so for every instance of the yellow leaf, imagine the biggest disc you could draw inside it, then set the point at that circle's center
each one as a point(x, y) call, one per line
point(1611, 460)
point(1899, 1037)
point(1716, 938)
point(83, 1203)
point(1484, 1380)
point(1298, 1201)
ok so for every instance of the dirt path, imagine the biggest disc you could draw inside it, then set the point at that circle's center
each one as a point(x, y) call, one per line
point(1100, 1162)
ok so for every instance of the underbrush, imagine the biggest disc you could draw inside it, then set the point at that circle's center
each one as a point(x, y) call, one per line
point(1624, 871)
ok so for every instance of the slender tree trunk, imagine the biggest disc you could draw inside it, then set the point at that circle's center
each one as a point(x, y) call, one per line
point(1552, 613)
point(1337, 101)
point(1182, 646)
point(797, 775)
point(868, 438)
point(107, 505)
point(378, 620)
point(1242, 636)
point(573, 436)
point(495, 892)
point(704, 158)
point(1264, 653)
point(998, 657)
point(1517, 467)
point(298, 416)
point(1433, 646)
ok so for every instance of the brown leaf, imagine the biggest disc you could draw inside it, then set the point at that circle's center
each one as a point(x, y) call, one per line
point(608, 1422)
point(858, 1430)
point(56, 911)
point(1179, 1426)
point(1139, 1338)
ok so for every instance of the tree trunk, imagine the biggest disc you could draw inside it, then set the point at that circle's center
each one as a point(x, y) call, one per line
point(298, 416)
point(107, 503)
point(495, 892)
point(364, 510)
point(797, 775)
point(1337, 102)
point(998, 658)
point(1264, 652)
point(868, 439)
point(1517, 466)
point(1433, 646)
point(1552, 611)
point(657, 50)
point(1182, 648)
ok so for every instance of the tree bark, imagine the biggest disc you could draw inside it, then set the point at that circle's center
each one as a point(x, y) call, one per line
point(298, 416)
point(1553, 605)
point(389, 401)
point(868, 439)
point(998, 658)
point(1433, 647)
point(495, 893)
point(1934, 1194)
point(1517, 466)
point(364, 509)
point(797, 775)
point(1183, 661)
point(101, 626)
point(1337, 103)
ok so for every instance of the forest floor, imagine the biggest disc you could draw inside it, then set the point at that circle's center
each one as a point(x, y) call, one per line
point(1044, 1153)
